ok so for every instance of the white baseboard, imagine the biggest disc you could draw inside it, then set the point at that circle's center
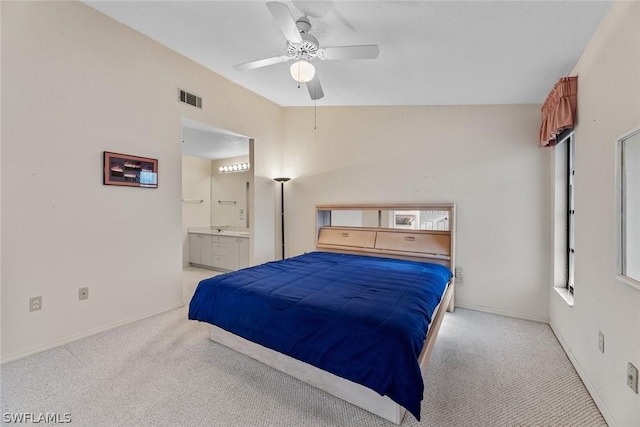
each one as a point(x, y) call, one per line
point(539, 319)
point(585, 379)
point(66, 340)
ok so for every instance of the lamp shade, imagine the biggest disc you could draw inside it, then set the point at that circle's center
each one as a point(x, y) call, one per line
point(302, 71)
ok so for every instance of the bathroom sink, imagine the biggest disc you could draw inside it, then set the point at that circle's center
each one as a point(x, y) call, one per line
point(232, 233)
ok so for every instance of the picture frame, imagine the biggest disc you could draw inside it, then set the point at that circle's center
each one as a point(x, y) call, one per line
point(129, 171)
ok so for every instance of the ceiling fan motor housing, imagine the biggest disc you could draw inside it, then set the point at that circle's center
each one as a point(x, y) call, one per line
point(309, 46)
point(303, 47)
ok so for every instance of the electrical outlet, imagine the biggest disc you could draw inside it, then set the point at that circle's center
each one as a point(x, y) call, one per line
point(83, 293)
point(458, 274)
point(632, 377)
point(601, 341)
point(35, 303)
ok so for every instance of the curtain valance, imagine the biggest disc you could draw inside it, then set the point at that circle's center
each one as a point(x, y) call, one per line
point(559, 110)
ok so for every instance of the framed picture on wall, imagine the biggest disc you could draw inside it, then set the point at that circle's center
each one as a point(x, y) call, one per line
point(130, 171)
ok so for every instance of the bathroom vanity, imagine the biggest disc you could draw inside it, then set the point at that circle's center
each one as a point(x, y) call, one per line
point(224, 250)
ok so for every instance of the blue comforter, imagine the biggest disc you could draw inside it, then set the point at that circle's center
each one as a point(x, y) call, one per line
point(361, 318)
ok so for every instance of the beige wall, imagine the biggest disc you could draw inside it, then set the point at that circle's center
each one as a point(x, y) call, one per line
point(196, 185)
point(74, 84)
point(484, 158)
point(608, 106)
point(68, 73)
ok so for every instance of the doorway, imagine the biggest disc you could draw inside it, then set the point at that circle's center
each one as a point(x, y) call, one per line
point(217, 183)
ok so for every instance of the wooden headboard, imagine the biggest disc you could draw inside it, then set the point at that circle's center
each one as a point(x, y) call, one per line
point(388, 230)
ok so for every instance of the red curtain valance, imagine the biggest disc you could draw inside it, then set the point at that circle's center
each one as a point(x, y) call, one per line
point(559, 110)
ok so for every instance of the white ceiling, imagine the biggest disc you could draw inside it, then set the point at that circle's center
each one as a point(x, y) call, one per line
point(431, 52)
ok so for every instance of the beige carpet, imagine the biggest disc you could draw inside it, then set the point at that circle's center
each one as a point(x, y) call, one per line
point(485, 370)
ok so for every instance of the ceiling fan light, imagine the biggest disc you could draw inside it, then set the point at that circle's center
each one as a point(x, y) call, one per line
point(302, 71)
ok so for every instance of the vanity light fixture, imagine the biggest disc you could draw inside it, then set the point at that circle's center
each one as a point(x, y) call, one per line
point(240, 167)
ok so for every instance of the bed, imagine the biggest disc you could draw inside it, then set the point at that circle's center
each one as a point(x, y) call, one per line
point(357, 317)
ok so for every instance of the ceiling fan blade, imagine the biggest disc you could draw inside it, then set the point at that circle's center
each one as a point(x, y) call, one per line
point(285, 21)
point(314, 87)
point(261, 63)
point(367, 51)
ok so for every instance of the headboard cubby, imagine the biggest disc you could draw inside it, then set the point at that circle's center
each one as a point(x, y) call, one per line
point(420, 232)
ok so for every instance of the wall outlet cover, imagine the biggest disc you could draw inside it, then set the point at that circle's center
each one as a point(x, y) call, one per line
point(35, 303)
point(632, 377)
point(601, 341)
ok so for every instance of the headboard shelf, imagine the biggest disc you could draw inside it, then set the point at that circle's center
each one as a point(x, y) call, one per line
point(422, 232)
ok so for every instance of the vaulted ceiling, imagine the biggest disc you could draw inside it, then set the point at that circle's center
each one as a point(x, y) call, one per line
point(431, 52)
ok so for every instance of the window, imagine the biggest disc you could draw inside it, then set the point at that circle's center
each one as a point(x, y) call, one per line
point(386, 218)
point(628, 209)
point(570, 215)
point(564, 251)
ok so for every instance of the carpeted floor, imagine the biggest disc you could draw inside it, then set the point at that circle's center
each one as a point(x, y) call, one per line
point(485, 370)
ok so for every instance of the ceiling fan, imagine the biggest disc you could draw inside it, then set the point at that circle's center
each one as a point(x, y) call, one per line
point(304, 48)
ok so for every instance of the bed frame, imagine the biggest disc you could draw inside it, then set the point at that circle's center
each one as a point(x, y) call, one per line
point(434, 246)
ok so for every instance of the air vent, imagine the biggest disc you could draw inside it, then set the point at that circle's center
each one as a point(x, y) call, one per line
point(191, 99)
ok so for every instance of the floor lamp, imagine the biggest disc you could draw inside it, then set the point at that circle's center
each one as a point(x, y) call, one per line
point(282, 181)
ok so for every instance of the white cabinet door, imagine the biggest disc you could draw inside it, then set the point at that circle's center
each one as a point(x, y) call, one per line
point(200, 249)
point(205, 250)
point(243, 252)
point(233, 253)
point(195, 241)
point(237, 253)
